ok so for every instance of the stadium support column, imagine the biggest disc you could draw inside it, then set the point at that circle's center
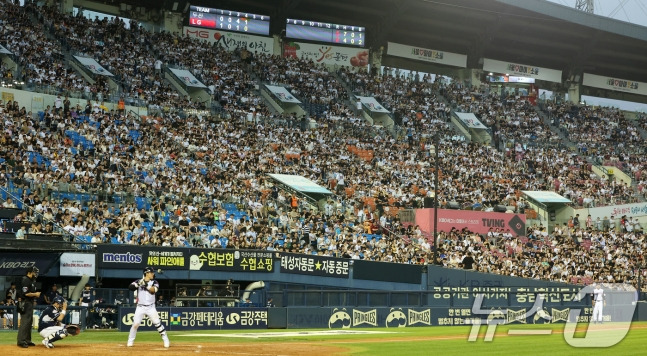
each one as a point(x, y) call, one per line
point(436, 173)
point(574, 93)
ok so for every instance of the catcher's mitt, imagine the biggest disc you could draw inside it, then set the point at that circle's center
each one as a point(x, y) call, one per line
point(73, 329)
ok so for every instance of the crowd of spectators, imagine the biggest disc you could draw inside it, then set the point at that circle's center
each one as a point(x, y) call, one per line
point(41, 60)
point(171, 181)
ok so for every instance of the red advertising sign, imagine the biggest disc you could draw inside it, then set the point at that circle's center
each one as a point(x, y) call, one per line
point(475, 221)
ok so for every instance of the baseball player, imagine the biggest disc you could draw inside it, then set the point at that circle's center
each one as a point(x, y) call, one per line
point(49, 325)
point(145, 290)
point(598, 303)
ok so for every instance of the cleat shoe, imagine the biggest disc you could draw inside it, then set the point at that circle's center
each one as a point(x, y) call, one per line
point(48, 344)
point(167, 343)
point(129, 344)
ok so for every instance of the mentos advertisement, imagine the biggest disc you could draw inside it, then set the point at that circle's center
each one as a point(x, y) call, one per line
point(476, 221)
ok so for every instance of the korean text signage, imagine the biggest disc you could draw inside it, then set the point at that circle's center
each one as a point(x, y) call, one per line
point(476, 221)
point(77, 264)
point(610, 83)
point(231, 260)
point(196, 259)
point(185, 318)
point(232, 40)
point(314, 265)
point(427, 55)
point(329, 55)
point(617, 211)
point(524, 70)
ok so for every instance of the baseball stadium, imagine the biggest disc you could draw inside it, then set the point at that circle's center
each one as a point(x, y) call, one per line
point(303, 177)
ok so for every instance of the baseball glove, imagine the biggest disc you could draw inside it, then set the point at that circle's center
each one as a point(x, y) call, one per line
point(73, 329)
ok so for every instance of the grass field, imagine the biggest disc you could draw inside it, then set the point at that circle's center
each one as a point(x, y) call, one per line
point(404, 341)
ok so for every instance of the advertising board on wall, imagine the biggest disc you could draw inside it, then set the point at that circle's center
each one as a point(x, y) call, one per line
point(314, 265)
point(328, 55)
point(232, 40)
point(634, 210)
point(195, 259)
point(186, 318)
point(479, 222)
point(427, 55)
point(77, 264)
point(524, 70)
point(611, 83)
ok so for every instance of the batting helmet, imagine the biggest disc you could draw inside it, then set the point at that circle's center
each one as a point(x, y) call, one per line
point(58, 299)
point(149, 269)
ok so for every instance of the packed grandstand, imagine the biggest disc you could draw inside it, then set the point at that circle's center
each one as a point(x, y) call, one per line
point(104, 175)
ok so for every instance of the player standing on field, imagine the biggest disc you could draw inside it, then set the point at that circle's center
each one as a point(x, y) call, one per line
point(145, 290)
point(598, 303)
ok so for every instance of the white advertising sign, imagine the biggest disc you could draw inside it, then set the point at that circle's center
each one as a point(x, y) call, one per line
point(77, 264)
point(329, 55)
point(282, 94)
point(187, 78)
point(93, 66)
point(232, 40)
point(372, 104)
point(630, 210)
point(610, 83)
point(524, 70)
point(427, 55)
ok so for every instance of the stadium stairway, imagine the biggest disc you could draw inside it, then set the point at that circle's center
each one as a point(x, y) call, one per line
point(544, 117)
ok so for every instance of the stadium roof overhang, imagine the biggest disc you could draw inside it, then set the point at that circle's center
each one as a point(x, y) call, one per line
point(533, 32)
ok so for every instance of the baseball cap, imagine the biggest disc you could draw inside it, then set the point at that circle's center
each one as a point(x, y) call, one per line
point(33, 269)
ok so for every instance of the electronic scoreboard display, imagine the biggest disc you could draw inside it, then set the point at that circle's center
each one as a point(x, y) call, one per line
point(228, 20)
point(326, 32)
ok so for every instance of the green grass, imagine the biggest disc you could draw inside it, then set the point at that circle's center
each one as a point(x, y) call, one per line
point(403, 341)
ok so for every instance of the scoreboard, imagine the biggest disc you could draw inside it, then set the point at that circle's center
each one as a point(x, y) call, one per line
point(229, 20)
point(326, 32)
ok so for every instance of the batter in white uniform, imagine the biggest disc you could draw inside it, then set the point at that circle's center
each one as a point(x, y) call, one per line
point(145, 290)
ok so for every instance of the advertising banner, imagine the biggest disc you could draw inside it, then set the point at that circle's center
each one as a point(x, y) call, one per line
point(185, 318)
point(314, 265)
point(195, 259)
point(470, 120)
point(347, 318)
point(329, 55)
point(16, 264)
point(611, 83)
point(232, 40)
point(3, 50)
point(617, 211)
point(93, 66)
point(77, 264)
point(479, 222)
point(187, 78)
point(371, 104)
point(427, 55)
point(282, 94)
point(524, 70)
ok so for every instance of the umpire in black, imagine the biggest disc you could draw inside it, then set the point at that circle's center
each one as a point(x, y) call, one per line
point(27, 294)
